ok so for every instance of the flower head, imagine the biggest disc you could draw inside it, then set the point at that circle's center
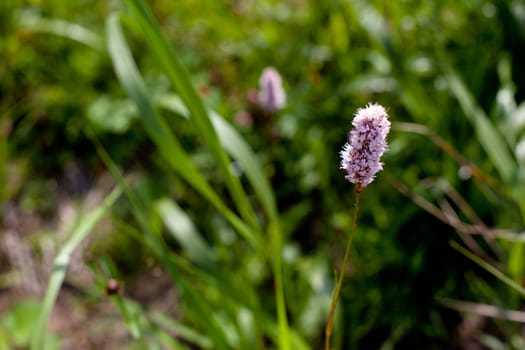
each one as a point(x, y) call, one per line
point(361, 156)
point(271, 94)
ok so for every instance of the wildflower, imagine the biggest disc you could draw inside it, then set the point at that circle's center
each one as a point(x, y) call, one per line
point(360, 157)
point(271, 94)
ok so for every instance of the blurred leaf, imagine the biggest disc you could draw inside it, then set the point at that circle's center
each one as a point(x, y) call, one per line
point(112, 115)
point(182, 229)
point(131, 314)
point(248, 328)
point(410, 90)
point(234, 144)
point(175, 71)
point(397, 333)
point(181, 330)
point(517, 118)
point(196, 305)
point(18, 321)
point(489, 137)
point(3, 160)
point(295, 216)
point(84, 227)
point(338, 31)
point(505, 95)
point(158, 130)
point(516, 260)
point(491, 269)
point(491, 342)
point(369, 84)
point(30, 20)
point(238, 149)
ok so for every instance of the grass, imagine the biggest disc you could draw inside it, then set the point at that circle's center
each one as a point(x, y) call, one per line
point(246, 220)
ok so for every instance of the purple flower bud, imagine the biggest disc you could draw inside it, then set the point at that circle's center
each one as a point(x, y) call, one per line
point(360, 157)
point(271, 94)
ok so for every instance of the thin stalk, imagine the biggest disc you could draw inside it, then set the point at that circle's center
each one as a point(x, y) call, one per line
point(489, 268)
point(284, 330)
point(329, 324)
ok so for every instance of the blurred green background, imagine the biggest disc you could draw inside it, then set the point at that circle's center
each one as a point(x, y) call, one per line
point(452, 69)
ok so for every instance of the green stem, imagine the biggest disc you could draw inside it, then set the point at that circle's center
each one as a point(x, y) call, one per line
point(329, 324)
point(284, 331)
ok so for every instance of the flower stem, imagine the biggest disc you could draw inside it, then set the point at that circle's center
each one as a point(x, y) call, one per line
point(335, 297)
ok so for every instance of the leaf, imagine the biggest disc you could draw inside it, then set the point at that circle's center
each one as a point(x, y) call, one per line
point(112, 115)
point(197, 306)
point(516, 260)
point(235, 145)
point(83, 229)
point(489, 137)
point(168, 59)
point(157, 129)
point(184, 231)
point(489, 268)
point(30, 20)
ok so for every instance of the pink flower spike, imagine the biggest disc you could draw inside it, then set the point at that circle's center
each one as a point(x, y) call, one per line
point(271, 94)
point(361, 156)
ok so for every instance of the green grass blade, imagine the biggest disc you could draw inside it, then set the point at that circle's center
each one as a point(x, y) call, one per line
point(4, 154)
point(130, 314)
point(180, 80)
point(237, 148)
point(193, 103)
point(197, 305)
point(61, 262)
point(235, 145)
point(183, 331)
point(489, 137)
point(272, 330)
point(184, 231)
point(137, 320)
point(159, 131)
point(276, 260)
point(61, 28)
point(516, 260)
point(236, 292)
point(489, 268)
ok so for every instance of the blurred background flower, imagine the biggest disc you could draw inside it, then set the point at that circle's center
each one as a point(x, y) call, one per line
point(271, 94)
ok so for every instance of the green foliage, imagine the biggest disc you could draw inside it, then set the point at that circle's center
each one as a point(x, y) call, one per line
point(83, 228)
point(17, 326)
point(248, 219)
